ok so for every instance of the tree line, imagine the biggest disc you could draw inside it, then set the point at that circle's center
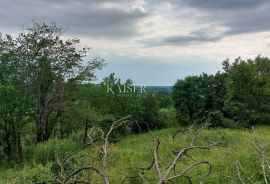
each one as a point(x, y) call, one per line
point(239, 96)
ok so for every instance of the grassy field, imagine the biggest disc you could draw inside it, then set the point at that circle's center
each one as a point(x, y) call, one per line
point(130, 154)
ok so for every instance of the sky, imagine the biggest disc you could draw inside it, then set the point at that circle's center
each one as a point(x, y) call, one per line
point(153, 42)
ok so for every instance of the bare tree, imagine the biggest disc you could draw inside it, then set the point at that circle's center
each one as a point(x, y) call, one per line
point(169, 174)
point(101, 144)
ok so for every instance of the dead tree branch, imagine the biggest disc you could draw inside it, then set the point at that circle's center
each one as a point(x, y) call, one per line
point(264, 160)
point(193, 133)
point(165, 176)
point(179, 155)
point(65, 177)
point(238, 166)
point(156, 147)
point(105, 138)
point(92, 168)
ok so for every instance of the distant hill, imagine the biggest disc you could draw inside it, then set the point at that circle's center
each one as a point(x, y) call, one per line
point(159, 89)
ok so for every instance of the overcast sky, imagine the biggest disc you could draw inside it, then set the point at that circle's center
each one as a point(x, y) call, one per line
point(153, 42)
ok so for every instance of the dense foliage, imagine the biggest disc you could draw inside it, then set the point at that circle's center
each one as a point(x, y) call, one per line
point(239, 96)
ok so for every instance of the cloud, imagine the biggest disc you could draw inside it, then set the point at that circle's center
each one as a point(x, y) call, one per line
point(99, 18)
point(183, 40)
point(195, 37)
point(237, 16)
point(230, 5)
point(153, 42)
point(248, 22)
point(123, 18)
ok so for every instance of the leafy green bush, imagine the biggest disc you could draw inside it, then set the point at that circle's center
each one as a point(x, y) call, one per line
point(36, 174)
point(215, 119)
point(168, 117)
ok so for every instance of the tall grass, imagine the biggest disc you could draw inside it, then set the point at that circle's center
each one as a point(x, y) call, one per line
point(127, 156)
point(48, 151)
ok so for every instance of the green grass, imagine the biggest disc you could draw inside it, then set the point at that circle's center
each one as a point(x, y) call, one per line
point(135, 152)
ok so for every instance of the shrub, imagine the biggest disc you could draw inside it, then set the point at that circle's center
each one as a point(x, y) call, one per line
point(168, 117)
point(36, 174)
point(215, 119)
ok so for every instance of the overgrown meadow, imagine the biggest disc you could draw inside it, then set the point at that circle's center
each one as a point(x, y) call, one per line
point(134, 152)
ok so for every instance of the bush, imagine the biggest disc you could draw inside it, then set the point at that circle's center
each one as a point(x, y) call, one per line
point(168, 117)
point(36, 174)
point(215, 119)
point(228, 123)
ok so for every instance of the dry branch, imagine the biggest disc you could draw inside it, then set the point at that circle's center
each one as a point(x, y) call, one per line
point(264, 160)
point(165, 176)
point(156, 147)
point(238, 166)
point(83, 168)
point(178, 156)
point(65, 178)
point(193, 133)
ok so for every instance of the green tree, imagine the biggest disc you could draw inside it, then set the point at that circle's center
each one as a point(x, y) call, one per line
point(15, 97)
point(195, 97)
point(247, 99)
point(54, 67)
point(187, 99)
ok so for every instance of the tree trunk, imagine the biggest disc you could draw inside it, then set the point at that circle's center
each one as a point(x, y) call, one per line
point(19, 147)
point(7, 144)
point(85, 132)
point(19, 143)
point(41, 124)
point(61, 130)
